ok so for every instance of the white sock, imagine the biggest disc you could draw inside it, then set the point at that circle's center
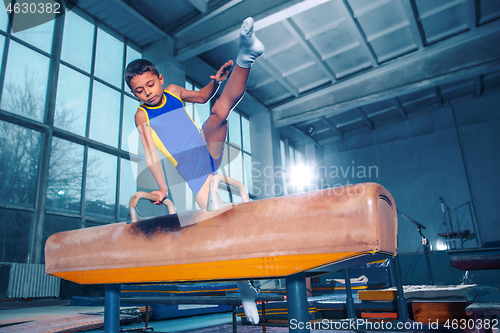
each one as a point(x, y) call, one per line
point(250, 47)
point(248, 295)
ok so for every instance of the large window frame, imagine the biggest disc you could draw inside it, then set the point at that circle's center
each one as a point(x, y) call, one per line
point(39, 212)
point(227, 193)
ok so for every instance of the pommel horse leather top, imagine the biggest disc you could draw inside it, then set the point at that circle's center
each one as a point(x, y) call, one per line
point(268, 238)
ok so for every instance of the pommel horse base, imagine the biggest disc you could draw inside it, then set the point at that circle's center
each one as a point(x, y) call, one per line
point(285, 237)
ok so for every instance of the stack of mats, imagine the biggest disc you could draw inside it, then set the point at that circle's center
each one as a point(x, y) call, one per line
point(169, 311)
point(335, 307)
point(185, 289)
point(279, 310)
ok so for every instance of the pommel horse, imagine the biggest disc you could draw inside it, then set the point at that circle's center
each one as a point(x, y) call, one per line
point(284, 237)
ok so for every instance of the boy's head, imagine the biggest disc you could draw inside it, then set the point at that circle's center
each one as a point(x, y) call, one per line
point(145, 81)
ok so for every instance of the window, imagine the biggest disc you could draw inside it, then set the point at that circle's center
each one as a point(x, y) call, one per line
point(19, 160)
point(109, 58)
point(76, 130)
point(101, 184)
point(72, 100)
point(105, 114)
point(26, 78)
point(65, 176)
point(237, 159)
point(78, 41)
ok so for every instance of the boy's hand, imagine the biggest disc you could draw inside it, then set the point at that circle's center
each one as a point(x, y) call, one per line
point(162, 194)
point(222, 72)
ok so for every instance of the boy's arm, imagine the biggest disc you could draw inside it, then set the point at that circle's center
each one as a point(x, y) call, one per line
point(151, 155)
point(206, 93)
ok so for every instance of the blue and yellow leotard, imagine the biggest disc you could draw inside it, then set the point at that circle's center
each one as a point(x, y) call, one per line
point(176, 136)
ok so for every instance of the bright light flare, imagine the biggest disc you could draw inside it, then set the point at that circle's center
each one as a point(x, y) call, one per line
point(301, 176)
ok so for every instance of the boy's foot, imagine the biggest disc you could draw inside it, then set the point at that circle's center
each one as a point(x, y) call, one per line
point(250, 47)
point(248, 295)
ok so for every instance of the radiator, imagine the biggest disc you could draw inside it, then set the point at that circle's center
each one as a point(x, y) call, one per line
point(30, 281)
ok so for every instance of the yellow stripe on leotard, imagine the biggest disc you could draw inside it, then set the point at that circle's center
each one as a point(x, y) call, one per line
point(158, 143)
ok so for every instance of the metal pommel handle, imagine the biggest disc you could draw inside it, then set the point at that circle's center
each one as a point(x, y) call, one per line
point(214, 199)
point(134, 215)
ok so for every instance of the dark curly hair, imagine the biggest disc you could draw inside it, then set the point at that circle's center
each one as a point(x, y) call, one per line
point(139, 67)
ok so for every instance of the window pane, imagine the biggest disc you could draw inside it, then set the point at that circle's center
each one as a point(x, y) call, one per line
point(39, 36)
point(90, 224)
point(128, 185)
point(109, 58)
point(224, 195)
point(78, 41)
point(72, 101)
point(237, 198)
point(130, 137)
point(224, 167)
point(236, 166)
point(132, 54)
point(245, 126)
point(4, 20)
point(202, 111)
point(298, 158)
point(26, 79)
point(15, 230)
point(283, 156)
point(65, 176)
point(234, 128)
point(101, 184)
point(19, 158)
point(292, 157)
point(189, 198)
point(2, 45)
point(105, 115)
point(247, 160)
point(54, 224)
point(188, 106)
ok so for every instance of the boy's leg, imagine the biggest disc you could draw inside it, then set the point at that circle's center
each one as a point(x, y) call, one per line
point(215, 127)
point(202, 196)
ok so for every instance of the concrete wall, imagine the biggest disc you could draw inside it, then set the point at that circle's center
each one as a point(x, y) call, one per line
point(453, 153)
point(266, 157)
point(426, 158)
point(478, 123)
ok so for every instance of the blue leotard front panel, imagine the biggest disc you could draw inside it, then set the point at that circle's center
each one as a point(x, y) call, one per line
point(178, 136)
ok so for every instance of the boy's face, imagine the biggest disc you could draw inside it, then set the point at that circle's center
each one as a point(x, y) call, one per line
point(148, 88)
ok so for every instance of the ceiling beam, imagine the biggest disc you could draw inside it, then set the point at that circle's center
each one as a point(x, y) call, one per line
point(140, 18)
point(201, 5)
point(472, 14)
point(264, 63)
point(262, 20)
point(305, 136)
point(417, 30)
point(297, 34)
point(400, 108)
point(478, 89)
point(332, 126)
point(466, 55)
point(357, 31)
point(439, 96)
point(365, 118)
point(207, 17)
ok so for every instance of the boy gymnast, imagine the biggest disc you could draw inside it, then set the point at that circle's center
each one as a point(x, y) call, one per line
point(196, 154)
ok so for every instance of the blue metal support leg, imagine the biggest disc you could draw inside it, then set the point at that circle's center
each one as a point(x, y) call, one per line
point(349, 302)
point(396, 274)
point(298, 309)
point(112, 308)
